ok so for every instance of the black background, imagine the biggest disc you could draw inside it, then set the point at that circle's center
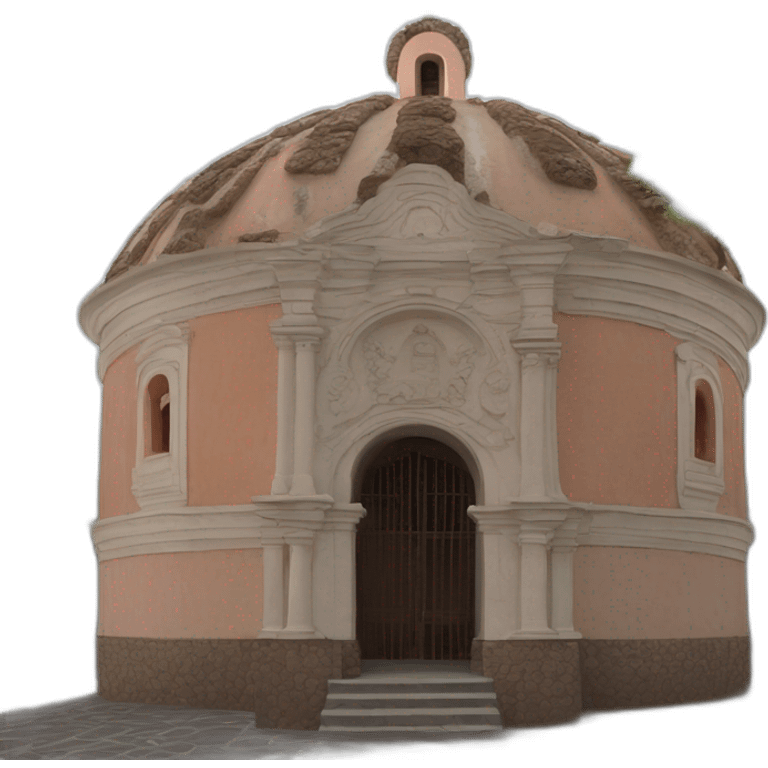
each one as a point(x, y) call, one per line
point(122, 115)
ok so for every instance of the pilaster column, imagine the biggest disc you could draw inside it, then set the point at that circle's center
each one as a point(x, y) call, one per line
point(562, 550)
point(304, 428)
point(562, 590)
point(285, 406)
point(533, 580)
point(333, 566)
point(274, 610)
point(536, 343)
point(499, 556)
point(292, 522)
point(300, 585)
point(536, 421)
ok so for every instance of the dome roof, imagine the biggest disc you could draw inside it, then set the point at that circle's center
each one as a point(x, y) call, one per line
point(526, 164)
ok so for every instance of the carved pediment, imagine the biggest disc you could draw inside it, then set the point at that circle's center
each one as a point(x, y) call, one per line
point(422, 205)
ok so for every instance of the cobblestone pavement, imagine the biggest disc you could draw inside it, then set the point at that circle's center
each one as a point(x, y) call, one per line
point(92, 728)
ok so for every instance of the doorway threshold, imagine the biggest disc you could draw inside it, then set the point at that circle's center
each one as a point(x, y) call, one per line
point(372, 668)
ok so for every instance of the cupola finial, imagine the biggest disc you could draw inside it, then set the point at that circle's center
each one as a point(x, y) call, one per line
point(430, 57)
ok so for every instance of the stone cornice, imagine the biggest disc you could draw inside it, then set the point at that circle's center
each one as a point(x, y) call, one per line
point(689, 301)
point(192, 529)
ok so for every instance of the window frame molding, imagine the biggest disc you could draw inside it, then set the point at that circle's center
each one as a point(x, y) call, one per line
point(700, 483)
point(160, 479)
point(435, 59)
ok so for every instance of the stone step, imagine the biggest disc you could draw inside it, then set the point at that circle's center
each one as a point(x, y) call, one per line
point(410, 717)
point(393, 700)
point(410, 685)
point(416, 733)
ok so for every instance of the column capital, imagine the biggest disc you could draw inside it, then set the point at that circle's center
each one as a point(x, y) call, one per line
point(534, 535)
point(537, 351)
point(292, 513)
point(494, 518)
point(294, 333)
point(282, 340)
point(306, 341)
point(564, 539)
point(344, 517)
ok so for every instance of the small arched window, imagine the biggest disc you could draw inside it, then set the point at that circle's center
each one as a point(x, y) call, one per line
point(430, 78)
point(704, 429)
point(159, 408)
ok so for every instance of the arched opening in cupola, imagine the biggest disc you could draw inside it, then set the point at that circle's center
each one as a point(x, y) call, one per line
point(431, 77)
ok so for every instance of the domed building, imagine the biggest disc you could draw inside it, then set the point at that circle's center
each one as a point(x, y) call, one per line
point(422, 378)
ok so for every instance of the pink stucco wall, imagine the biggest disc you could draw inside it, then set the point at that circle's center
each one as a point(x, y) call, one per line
point(734, 499)
point(623, 592)
point(617, 412)
point(185, 594)
point(118, 437)
point(232, 406)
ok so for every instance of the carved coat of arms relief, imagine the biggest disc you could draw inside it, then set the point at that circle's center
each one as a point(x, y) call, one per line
point(422, 371)
point(419, 363)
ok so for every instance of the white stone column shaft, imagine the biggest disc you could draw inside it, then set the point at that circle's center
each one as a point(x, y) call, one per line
point(285, 407)
point(333, 566)
point(498, 591)
point(533, 582)
point(532, 425)
point(273, 556)
point(300, 587)
point(499, 595)
point(562, 589)
point(304, 428)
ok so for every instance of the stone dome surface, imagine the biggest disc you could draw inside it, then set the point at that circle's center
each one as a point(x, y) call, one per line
point(526, 164)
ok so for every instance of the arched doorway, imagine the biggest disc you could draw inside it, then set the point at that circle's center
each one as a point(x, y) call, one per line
point(416, 553)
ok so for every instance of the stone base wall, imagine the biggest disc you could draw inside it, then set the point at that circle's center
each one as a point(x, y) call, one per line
point(622, 674)
point(551, 681)
point(283, 681)
point(291, 679)
point(536, 681)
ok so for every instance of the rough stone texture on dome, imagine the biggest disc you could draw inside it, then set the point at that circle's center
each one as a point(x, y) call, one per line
point(323, 149)
point(198, 191)
point(422, 135)
point(561, 160)
point(428, 24)
point(529, 165)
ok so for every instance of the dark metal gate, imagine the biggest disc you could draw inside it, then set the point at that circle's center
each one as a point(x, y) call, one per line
point(416, 554)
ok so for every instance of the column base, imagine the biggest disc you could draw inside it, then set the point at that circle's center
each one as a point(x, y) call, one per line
point(290, 634)
point(281, 485)
point(535, 634)
point(302, 485)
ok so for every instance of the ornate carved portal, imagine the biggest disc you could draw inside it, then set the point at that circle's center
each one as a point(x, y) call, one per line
point(416, 554)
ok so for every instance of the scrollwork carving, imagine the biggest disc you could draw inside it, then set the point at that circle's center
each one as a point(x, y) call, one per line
point(530, 360)
point(494, 397)
point(546, 357)
point(378, 362)
point(463, 365)
point(342, 392)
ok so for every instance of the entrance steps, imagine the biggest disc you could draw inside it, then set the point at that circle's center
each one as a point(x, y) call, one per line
point(411, 696)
